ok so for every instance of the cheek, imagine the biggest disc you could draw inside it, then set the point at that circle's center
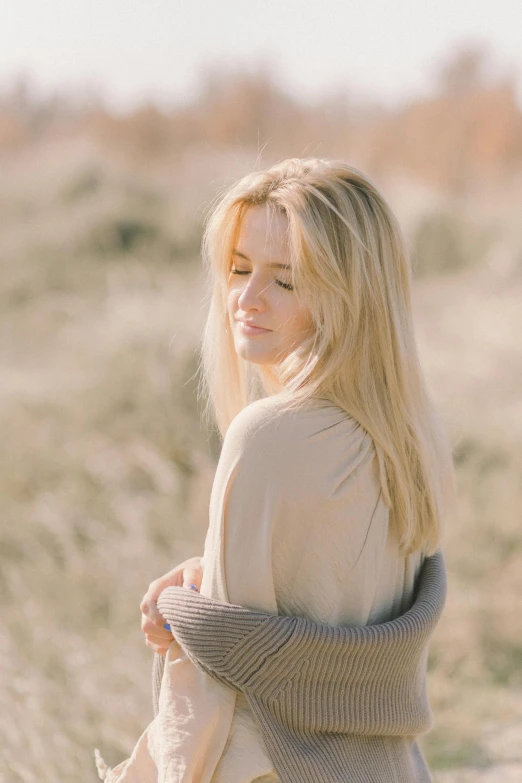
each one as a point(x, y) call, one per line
point(299, 322)
point(303, 317)
point(232, 297)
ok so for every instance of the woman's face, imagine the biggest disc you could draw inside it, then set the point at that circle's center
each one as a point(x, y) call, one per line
point(259, 290)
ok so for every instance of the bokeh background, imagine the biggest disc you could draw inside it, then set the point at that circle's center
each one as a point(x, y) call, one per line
point(119, 124)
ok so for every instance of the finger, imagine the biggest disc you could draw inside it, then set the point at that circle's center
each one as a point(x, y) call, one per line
point(148, 626)
point(160, 649)
point(148, 606)
point(161, 641)
point(151, 612)
point(173, 578)
point(192, 578)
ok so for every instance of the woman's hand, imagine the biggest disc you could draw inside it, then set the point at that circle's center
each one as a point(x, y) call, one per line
point(190, 572)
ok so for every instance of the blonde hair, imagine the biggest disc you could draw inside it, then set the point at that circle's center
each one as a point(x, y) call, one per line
point(351, 270)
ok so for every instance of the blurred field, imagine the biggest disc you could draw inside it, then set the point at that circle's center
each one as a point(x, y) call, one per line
point(105, 469)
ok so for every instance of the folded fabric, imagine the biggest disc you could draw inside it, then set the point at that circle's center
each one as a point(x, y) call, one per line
point(334, 703)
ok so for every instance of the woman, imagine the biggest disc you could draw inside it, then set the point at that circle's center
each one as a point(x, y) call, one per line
point(334, 475)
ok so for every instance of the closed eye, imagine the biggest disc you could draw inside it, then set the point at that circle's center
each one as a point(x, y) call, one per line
point(287, 286)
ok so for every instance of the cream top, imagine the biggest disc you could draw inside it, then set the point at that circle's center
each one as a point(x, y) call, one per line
point(298, 526)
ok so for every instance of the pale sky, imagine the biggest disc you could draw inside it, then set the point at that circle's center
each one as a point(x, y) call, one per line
point(134, 49)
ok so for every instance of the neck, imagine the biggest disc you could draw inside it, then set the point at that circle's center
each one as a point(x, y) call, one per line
point(270, 379)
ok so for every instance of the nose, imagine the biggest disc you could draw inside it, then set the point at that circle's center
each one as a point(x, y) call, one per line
point(252, 294)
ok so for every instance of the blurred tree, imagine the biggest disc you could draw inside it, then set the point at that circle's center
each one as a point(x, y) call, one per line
point(469, 130)
point(242, 107)
point(466, 70)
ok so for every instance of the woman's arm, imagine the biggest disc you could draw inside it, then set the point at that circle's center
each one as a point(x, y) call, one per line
point(157, 637)
point(368, 679)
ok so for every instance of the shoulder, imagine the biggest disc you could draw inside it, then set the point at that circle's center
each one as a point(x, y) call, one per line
point(258, 435)
point(264, 428)
point(256, 419)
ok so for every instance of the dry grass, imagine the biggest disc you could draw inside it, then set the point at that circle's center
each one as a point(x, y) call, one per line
point(105, 470)
point(468, 330)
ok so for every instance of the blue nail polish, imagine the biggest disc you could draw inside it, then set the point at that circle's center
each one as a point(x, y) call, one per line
point(167, 627)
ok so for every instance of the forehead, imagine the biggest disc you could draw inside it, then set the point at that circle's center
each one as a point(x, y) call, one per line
point(263, 231)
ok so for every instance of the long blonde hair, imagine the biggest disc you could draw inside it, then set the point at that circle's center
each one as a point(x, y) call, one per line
point(351, 269)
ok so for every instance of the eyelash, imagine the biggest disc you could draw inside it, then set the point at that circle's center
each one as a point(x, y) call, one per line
point(286, 286)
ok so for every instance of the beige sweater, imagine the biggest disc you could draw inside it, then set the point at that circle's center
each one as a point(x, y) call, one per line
point(297, 526)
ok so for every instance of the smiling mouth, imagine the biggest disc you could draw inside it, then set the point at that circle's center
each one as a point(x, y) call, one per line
point(250, 329)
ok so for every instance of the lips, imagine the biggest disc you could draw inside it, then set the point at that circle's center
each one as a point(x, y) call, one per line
point(248, 327)
point(251, 323)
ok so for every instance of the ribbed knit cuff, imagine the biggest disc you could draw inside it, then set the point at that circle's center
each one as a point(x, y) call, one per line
point(230, 641)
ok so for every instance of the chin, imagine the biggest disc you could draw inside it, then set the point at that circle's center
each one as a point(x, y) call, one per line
point(248, 357)
point(256, 357)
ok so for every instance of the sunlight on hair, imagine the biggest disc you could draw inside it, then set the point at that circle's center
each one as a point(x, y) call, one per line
point(352, 271)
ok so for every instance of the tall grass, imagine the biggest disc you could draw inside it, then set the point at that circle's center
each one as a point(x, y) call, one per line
point(105, 469)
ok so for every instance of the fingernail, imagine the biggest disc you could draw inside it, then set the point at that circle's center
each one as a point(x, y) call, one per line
point(167, 627)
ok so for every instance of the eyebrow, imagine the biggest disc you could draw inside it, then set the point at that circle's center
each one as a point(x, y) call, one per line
point(278, 266)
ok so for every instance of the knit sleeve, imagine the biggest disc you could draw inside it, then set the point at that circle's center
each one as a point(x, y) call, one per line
point(314, 677)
